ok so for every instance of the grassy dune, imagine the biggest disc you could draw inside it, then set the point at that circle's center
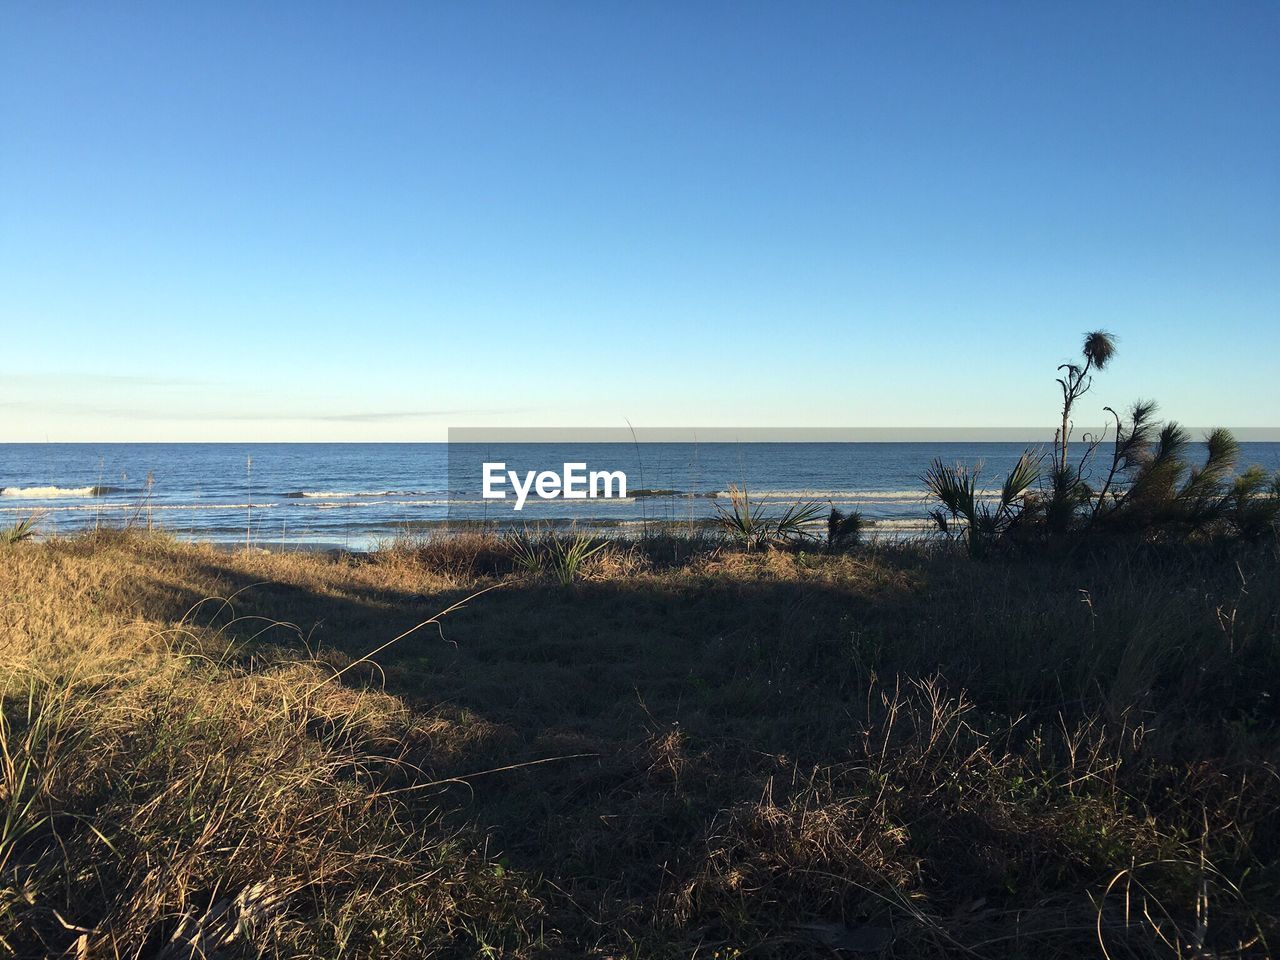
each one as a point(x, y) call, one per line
point(688, 753)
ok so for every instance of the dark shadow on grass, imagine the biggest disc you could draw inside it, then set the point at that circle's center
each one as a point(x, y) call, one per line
point(711, 706)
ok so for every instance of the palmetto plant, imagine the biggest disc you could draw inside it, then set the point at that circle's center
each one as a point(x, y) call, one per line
point(981, 521)
point(24, 529)
point(742, 521)
point(564, 557)
point(568, 556)
point(748, 524)
point(525, 552)
point(844, 529)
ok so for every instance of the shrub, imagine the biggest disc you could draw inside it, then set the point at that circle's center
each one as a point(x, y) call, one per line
point(986, 523)
point(24, 529)
point(1150, 488)
point(749, 526)
point(564, 557)
point(844, 529)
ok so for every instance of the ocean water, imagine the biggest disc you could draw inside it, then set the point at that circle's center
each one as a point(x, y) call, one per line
point(355, 495)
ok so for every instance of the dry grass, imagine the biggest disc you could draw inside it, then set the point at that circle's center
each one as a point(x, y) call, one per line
point(685, 752)
point(167, 793)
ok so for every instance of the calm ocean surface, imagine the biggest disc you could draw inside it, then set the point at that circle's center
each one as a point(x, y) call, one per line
point(354, 495)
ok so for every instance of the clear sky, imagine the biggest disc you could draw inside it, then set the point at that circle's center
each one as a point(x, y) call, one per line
point(243, 221)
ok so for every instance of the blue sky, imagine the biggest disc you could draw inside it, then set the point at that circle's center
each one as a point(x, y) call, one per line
point(377, 221)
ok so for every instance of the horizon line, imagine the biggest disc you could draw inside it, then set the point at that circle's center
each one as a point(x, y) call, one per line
point(692, 435)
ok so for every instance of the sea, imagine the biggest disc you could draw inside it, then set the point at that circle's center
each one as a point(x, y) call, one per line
point(358, 495)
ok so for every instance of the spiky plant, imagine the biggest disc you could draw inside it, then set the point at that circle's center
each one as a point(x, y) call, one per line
point(24, 529)
point(748, 524)
point(1132, 441)
point(1253, 506)
point(844, 529)
point(569, 555)
point(1149, 490)
point(1203, 497)
point(741, 520)
point(985, 523)
point(1157, 492)
point(526, 556)
point(794, 522)
point(563, 557)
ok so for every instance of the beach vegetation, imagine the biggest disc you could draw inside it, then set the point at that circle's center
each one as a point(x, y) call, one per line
point(844, 528)
point(24, 529)
point(982, 522)
point(1146, 486)
point(562, 556)
point(698, 751)
point(752, 526)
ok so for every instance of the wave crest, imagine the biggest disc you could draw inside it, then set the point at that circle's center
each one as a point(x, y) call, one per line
point(350, 494)
point(51, 492)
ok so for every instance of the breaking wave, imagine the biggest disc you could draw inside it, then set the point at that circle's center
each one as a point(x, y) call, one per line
point(350, 494)
point(51, 492)
point(847, 496)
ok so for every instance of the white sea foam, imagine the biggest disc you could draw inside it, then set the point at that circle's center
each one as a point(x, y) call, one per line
point(45, 493)
point(126, 508)
point(845, 496)
point(350, 494)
